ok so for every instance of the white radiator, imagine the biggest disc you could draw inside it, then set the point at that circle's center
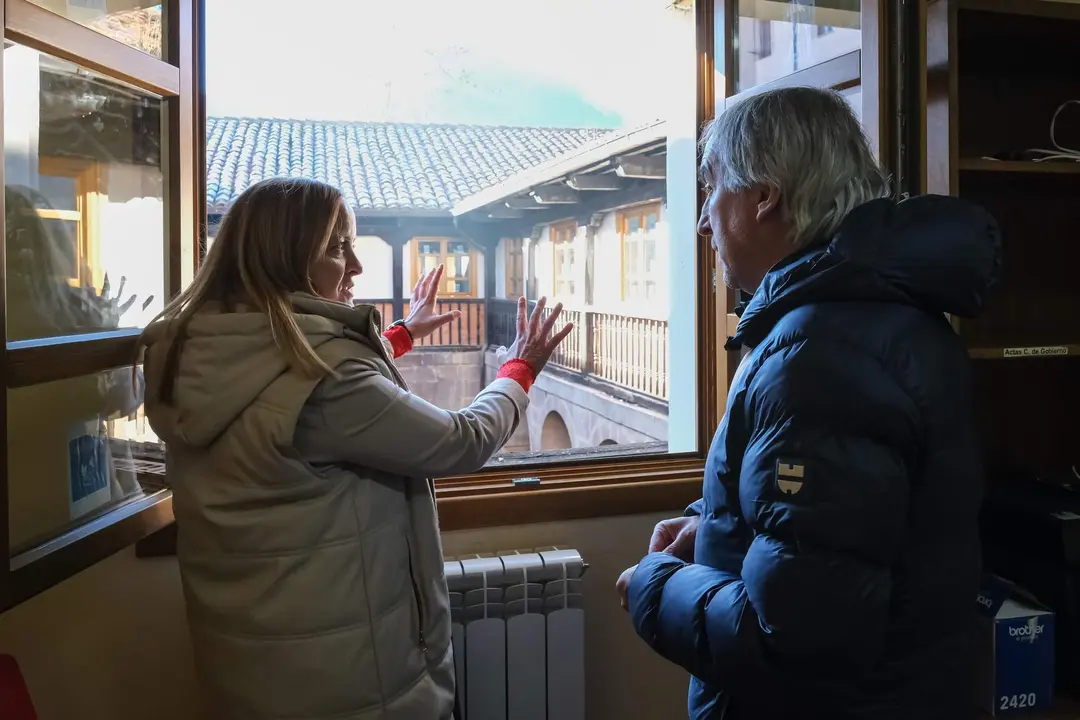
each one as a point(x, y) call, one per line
point(519, 635)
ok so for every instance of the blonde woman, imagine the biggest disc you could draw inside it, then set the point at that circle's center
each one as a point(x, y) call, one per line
point(308, 539)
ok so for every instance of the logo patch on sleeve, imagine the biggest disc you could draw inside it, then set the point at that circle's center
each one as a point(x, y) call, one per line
point(790, 476)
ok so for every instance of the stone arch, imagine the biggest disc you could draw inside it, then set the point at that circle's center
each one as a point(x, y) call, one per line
point(606, 443)
point(555, 435)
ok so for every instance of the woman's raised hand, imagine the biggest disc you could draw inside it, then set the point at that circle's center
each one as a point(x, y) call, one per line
point(535, 340)
point(423, 318)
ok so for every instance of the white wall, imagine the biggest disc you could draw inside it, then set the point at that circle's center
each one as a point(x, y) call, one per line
point(111, 643)
point(377, 257)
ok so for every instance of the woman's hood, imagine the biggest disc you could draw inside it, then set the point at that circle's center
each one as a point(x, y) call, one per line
point(230, 358)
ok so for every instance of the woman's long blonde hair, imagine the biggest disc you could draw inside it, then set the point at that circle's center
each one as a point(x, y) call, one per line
point(263, 250)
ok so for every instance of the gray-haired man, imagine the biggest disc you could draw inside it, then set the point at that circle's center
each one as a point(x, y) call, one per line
point(831, 567)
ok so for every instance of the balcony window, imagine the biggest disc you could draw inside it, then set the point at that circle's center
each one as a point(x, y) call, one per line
point(642, 277)
point(456, 256)
point(564, 265)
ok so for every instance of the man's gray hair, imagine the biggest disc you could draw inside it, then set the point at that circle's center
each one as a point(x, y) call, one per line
point(804, 141)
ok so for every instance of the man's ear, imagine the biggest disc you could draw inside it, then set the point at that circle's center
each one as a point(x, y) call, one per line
point(768, 201)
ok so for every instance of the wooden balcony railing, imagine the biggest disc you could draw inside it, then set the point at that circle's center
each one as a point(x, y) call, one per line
point(467, 331)
point(623, 350)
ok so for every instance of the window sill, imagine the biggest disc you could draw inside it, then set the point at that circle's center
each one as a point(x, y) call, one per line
point(52, 562)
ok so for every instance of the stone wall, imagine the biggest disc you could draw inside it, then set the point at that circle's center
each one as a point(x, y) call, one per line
point(592, 417)
point(449, 379)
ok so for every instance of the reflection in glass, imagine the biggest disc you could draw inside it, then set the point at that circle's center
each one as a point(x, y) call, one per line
point(779, 38)
point(137, 25)
point(84, 208)
point(73, 450)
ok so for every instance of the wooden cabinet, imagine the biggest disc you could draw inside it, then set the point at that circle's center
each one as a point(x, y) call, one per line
point(1002, 105)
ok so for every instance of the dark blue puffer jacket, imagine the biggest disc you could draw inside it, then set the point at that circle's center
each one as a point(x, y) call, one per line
point(837, 560)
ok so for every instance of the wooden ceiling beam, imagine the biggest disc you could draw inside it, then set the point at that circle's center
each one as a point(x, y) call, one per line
point(594, 182)
point(555, 195)
point(651, 167)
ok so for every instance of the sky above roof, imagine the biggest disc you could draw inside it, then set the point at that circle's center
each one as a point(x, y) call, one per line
point(555, 63)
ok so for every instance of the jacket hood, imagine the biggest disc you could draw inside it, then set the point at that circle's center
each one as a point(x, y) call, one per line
point(934, 252)
point(230, 358)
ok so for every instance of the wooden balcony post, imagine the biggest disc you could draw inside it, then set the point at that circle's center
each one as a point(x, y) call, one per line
point(532, 285)
point(491, 267)
point(591, 231)
point(397, 250)
point(588, 367)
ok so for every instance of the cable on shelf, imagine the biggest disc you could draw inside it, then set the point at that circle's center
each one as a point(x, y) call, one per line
point(1060, 152)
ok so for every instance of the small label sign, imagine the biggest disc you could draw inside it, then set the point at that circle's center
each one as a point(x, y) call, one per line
point(1045, 351)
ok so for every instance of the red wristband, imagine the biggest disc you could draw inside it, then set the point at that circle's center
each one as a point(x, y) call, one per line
point(520, 372)
point(400, 339)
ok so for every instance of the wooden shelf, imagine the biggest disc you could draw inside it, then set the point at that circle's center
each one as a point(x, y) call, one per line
point(1012, 166)
point(1052, 9)
point(1023, 353)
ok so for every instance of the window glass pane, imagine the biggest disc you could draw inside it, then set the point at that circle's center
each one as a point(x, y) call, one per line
point(782, 37)
point(75, 447)
point(457, 128)
point(65, 234)
point(132, 23)
point(61, 193)
point(96, 263)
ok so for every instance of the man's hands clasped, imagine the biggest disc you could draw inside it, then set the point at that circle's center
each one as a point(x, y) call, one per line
point(675, 536)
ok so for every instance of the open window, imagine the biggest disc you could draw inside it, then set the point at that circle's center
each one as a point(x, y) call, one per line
point(101, 198)
point(524, 175)
point(532, 176)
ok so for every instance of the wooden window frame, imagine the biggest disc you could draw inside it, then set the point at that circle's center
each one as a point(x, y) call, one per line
point(622, 220)
point(177, 80)
point(443, 256)
point(563, 233)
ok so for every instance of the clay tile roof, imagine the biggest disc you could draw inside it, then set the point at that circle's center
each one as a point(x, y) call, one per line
point(379, 166)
